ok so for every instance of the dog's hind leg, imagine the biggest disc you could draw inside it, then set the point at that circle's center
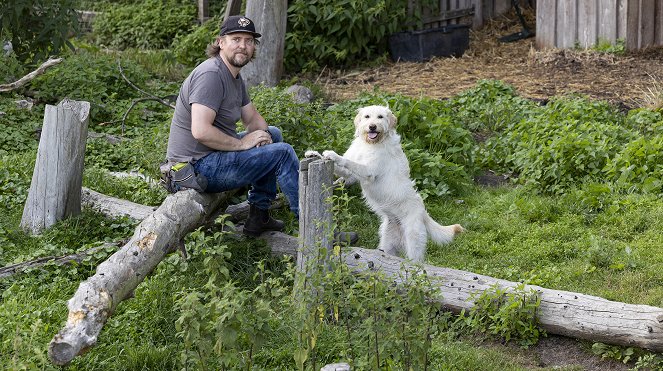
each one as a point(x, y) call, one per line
point(415, 238)
point(391, 236)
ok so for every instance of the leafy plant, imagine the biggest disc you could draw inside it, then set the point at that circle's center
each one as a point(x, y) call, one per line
point(92, 77)
point(606, 46)
point(509, 314)
point(339, 32)
point(11, 69)
point(639, 166)
point(614, 352)
point(570, 140)
point(189, 48)
point(150, 24)
point(224, 320)
point(38, 29)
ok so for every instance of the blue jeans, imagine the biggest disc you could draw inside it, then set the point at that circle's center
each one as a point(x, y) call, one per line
point(259, 167)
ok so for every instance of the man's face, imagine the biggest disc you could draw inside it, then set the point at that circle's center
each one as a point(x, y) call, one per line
point(238, 48)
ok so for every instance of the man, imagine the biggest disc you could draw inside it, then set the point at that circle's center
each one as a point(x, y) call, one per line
point(203, 131)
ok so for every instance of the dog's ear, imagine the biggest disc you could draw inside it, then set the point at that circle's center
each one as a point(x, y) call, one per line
point(392, 120)
point(358, 116)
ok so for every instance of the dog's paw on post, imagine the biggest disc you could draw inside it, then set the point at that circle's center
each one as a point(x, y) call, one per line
point(330, 155)
point(312, 154)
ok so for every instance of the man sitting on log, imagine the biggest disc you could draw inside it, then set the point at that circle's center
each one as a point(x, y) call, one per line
point(205, 151)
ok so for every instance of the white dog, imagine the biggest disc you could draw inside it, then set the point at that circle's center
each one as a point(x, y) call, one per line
point(375, 159)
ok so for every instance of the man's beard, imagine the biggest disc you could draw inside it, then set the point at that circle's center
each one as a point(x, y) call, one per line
point(234, 61)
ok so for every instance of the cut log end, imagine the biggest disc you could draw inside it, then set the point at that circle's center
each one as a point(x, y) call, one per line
point(61, 352)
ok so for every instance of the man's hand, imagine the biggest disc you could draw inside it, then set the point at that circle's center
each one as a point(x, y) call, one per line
point(256, 138)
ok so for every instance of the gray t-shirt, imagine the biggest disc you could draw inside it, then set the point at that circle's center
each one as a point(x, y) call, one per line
point(212, 85)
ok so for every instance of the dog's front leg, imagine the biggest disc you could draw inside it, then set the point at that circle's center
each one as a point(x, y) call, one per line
point(348, 169)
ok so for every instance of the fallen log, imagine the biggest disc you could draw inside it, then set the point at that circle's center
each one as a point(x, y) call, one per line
point(29, 77)
point(280, 243)
point(116, 278)
point(114, 207)
point(560, 312)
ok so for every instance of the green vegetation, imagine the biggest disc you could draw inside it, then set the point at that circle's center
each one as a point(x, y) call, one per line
point(36, 32)
point(582, 212)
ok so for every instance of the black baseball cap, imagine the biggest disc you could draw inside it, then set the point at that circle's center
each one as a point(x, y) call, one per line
point(238, 23)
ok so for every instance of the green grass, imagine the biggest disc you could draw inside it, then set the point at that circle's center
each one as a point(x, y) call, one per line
point(545, 240)
point(510, 234)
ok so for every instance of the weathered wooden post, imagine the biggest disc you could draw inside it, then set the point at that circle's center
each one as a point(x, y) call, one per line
point(271, 18)
point(203, 11)
point(315, 217)
point(55, 190)
point(233, 7)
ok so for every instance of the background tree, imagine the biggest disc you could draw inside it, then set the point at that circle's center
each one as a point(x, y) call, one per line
point(38, 28)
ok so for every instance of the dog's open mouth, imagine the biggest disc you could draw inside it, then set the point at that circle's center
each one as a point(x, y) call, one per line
point(372, 135)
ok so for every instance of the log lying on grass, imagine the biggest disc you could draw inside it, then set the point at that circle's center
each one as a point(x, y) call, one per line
point(560, 312)
point(114, 207)
point(117, 277)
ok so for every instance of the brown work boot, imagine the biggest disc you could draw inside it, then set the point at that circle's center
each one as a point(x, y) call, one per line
point(260, 221)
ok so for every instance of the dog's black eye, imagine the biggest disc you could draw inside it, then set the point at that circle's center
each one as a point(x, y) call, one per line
point(379, 116)
point(367, 116)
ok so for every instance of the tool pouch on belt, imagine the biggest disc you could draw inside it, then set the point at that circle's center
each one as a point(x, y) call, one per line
point(181, 176)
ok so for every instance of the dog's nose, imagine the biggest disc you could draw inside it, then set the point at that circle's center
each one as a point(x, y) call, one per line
point(372, 127)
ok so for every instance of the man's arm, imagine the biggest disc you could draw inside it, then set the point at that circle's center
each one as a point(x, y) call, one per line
point(203, 130)
point(252, 119)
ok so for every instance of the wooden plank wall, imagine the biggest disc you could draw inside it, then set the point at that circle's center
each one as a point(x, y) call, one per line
point(483, 11)
point(585, 23)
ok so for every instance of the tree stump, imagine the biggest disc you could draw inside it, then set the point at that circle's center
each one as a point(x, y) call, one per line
point(55, 190)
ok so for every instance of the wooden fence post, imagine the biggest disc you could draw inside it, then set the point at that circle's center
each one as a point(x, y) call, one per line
point(233, 7)
point(203, 11)
point(55, 190)
point(315, 217)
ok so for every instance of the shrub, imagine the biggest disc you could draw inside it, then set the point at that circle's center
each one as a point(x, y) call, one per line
point(303, 125)
point(569, 141)
point(190, 48)
point(336, 33)
point(10, 68)
point(18, 128)
point(645, 121)
point(151, 24)
point(92, 77)
point(491, 105)
point(639, 166)
point(38, 29)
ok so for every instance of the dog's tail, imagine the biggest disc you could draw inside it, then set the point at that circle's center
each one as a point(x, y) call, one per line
point(441, 234)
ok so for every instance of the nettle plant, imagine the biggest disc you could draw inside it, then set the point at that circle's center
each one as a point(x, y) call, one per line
point(569, 141)
point(509, 314)
point(151, 24)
